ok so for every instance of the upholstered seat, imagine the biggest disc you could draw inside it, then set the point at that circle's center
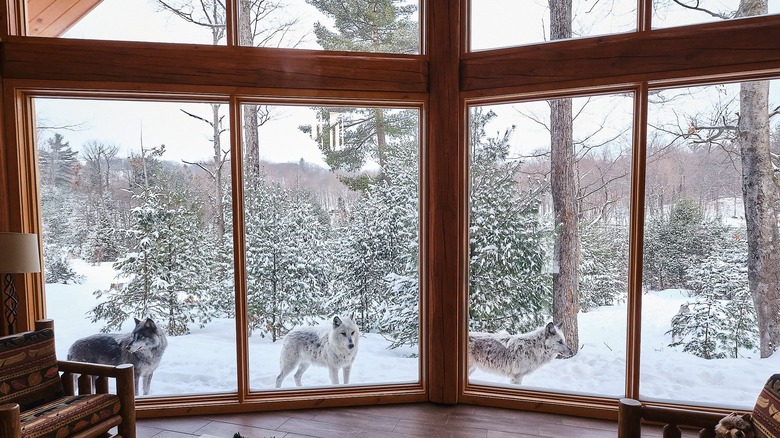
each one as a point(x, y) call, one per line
point(36, 401)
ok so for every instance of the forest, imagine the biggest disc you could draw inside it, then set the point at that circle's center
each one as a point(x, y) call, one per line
point(548, 223)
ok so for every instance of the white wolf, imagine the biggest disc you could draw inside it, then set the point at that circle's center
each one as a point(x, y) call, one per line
point(333, 346)
point(515, 356)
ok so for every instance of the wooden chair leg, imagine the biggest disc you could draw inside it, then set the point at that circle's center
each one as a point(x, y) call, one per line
point(10, 423)
point(629, 418)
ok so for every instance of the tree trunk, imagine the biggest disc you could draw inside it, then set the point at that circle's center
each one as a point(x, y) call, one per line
point(567, 245)
point(251, 141)
point(218, 163)
point(760, 195)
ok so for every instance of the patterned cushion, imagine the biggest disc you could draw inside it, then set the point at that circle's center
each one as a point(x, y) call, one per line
point(28, 369)
point(766, 413)
point(68, 415)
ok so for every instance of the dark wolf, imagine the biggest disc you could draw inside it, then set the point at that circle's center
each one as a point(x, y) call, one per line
point(515, 356)
point(143, 348)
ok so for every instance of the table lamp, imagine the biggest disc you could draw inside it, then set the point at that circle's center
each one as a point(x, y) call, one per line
point(18, 254)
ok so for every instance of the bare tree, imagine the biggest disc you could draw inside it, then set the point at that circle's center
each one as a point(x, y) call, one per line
point(566, 252)
point(751, 135)
point(99, 157)
point(262, 23)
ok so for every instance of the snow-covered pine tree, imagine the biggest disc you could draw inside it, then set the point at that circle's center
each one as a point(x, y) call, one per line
point(170, 258)
point(399, 316)
point(285, 233)
point(58, 217)
point(674, 244)
point(364, 254)
point(507, 287)
point(700, 330)
point(723, 274)
point(603, 266)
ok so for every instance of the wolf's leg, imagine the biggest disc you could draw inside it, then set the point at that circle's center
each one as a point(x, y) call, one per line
point(516, 379)
point(301, 369)
point(347, 370)
point(286, 369)
point(147, 383)
point(136, 379)
point(334, 375)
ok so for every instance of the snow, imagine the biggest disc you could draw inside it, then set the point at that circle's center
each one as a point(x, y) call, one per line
point(205, 360)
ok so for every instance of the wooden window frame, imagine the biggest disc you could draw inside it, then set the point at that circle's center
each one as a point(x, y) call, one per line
point(446, 78)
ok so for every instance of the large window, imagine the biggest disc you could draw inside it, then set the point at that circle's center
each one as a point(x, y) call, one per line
point(404, 183)
point(332, 245)
point(135, 202)
point(710, 220)
point(389, 26)
point(548, 242)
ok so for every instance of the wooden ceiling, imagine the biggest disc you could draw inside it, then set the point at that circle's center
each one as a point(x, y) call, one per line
point(51, 18)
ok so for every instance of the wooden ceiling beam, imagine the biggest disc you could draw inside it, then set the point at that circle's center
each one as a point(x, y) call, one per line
point(52, 18)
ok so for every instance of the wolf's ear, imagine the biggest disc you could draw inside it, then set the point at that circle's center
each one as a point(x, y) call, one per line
point(137, 321)
point(550, 328)
point(747, 417)
point(149, 323)
point(336, 321)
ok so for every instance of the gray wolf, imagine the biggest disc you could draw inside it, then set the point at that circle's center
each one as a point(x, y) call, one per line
point(515, 356)
point(334, 346)
point(143, 348)
point(734, 425)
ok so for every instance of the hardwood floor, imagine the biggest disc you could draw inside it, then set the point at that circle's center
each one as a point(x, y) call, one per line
point(396, 421)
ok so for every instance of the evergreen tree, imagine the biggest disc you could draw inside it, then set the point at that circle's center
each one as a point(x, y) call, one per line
point(169, 262)
point(364, 251)
point(723, 275)
point(507, 287)
point(603, 267)
point(399, 316)
point(58, 225)
point(351, 137)
point(102, 242)
point(57, 162)
point(700, 331)
point(382, 26)
point(285, 233)
point(675, 244)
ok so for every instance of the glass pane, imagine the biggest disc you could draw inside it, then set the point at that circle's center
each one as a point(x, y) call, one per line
point(548, 244)
point(332, 244)
point(389, 26)
point(710, 218)
point(668, 13)
point(136, 215)
point(503, 23)
point(379, 26)
point(167, 21)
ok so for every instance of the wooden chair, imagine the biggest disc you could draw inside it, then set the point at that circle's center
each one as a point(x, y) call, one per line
point(765, 416)
point(41, 396)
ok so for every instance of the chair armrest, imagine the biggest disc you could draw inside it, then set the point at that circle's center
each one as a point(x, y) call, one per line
point(631, 413)
point(91, 369)
point(10, 425)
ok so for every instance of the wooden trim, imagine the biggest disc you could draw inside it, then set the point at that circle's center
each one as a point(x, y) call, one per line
point(635, 243)
point(555, 403)
point(187, 64)
point(708, 50)
point(444, 191)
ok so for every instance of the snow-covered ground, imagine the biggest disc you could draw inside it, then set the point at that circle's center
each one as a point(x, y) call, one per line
point(205, 360)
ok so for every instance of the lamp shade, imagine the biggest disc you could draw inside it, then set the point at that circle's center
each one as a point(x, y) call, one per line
point(19, 253)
